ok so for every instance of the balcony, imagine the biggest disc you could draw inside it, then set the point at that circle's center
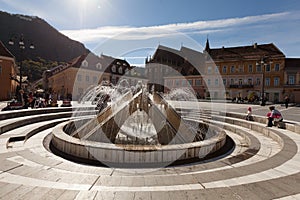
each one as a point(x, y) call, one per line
point(291, 86)
point(241, 86)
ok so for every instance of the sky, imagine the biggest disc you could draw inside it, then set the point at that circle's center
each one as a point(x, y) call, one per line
point(132, 29)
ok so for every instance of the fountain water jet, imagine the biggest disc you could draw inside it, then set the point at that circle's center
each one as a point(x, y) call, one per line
point(136, 128)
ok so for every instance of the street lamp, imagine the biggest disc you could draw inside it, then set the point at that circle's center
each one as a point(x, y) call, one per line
point(263, 62)
point(22, 48)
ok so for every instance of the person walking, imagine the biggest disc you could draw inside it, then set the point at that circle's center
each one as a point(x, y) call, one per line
point(286, 101)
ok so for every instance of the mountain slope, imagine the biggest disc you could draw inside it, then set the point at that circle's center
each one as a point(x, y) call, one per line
point(49, 43)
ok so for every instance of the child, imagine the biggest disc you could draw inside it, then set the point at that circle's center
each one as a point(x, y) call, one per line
point(249, 116)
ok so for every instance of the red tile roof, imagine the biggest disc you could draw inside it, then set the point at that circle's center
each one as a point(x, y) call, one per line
point(245, 52)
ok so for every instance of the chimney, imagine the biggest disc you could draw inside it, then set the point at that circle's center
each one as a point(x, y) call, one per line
point(255, 45)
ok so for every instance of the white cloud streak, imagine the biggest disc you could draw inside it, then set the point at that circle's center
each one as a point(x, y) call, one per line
point(161, 31)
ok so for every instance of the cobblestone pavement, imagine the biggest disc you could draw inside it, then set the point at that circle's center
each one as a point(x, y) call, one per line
point(263, 165)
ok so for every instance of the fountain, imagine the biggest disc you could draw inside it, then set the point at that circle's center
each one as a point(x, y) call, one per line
point(135, 128)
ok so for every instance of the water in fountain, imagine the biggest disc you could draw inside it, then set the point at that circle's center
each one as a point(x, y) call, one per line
point(137, 129)
point(181, 94)
point(186, 94)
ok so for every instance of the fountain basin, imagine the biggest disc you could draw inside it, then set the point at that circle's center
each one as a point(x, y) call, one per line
point(124, 154)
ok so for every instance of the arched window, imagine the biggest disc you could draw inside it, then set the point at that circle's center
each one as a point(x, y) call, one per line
point(113, 68)
point(98, 66)
point(84, 63)
point(120, 70)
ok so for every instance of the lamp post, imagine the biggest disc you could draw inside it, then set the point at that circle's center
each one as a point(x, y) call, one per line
point(263, 62)
point(22, 48)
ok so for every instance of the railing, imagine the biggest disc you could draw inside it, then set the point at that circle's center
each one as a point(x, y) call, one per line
point(292, 85)
point(241, 86)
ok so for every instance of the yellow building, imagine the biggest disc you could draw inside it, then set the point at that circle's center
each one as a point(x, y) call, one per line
point(7, 71)
point(77, 76)
point(248, 70)
point(236, 72)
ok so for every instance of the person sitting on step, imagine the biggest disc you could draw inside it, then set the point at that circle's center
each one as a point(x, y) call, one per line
point(249, 116)
point(274, 115)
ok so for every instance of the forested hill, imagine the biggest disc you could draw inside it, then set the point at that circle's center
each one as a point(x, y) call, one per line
point(49, 43)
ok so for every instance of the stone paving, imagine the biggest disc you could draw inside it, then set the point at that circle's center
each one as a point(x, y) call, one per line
point(263, 165)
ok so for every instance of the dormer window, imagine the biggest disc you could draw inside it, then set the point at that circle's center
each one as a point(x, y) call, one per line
point(120, 70)
point(84, 63)
point(113, 68)
point(98, 66)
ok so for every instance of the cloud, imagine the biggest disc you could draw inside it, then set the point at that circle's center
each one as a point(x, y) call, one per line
point(168, 30)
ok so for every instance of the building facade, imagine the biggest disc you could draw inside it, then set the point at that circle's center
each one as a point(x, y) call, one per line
point(245, 72)
point(7, 71)
point(249, 71)
point(291, 87)
point(170, 68)
point(83, 72)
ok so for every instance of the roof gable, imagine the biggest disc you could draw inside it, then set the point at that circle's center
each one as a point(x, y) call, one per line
point(4, 51)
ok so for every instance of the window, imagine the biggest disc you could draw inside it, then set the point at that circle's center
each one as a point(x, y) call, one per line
point(176, 82)
point(241, 69)
point(84, 63)
point(250, 68)
point(232, 69)
point(87, 79)
point(224, 81)
point(114, 68)
point(224, 70)
point(231, 81)
point(267, 82)
point(249, 81)
point(268, 68)
point(0, 69)
point(79, 77)
point(277, 67)
point(209, 69)
point(258, 68)
point(190, 82)
point(258, 81)
point(120, 70)
point(183, 82)
point(216, 81)
point(276, 81)
point(240, 81)
point(198, 82)
point(291, 80)
point(98, 66)
point(208, 81)
point(217, 69)
point(94, 79)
